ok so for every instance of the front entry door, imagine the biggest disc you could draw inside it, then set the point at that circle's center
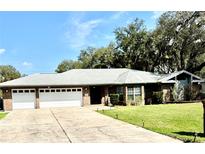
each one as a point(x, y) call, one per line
point(95, 94)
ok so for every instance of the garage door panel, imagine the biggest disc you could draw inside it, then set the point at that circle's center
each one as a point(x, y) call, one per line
point(22, 99)
point(18, 98)
point(59, 96)
point(59, 99)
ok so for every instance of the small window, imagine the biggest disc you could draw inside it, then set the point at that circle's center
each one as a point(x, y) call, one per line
point(78, 89)
point(32, 91)
point(63, 90)
point(130, 90)
point(47, 90)
point(73, 89)
point(52, 90)
point(26, 91)
point(68, 90)
point(20, 91)
point(137, 91)
point(41, 91)
point(14, 91)
point(58, 90)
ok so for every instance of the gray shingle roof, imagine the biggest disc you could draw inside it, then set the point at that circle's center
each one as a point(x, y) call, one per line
point(77, 77)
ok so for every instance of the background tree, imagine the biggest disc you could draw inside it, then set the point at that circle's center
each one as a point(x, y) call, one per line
point(8, 72)
point(66, 65)
point(131, 42)
point(98, 57)
point(104, 57)
point(86, 57)
point(180, 41)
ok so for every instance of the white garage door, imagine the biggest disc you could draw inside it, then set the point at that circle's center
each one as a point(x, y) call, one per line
point(60, 97)
point(23, 98)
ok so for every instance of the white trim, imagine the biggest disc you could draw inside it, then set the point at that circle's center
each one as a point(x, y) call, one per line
point(168, 77)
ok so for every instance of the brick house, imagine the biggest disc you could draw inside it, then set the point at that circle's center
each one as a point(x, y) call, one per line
point(81, 87)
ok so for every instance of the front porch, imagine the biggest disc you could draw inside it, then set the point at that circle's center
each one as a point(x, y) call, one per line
point(128, 94)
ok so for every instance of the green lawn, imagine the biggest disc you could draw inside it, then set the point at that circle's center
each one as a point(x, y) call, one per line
point(2, 115)
point(176, 120)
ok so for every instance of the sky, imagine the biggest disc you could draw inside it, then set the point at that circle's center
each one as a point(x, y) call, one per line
point(36, 42)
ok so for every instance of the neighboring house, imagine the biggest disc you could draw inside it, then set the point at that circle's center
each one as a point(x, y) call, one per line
point(81, 87)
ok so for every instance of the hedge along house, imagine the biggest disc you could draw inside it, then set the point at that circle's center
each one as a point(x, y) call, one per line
point(81, 87)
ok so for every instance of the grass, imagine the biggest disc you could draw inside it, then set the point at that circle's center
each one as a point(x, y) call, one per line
point(2, 115)
point(176, 120)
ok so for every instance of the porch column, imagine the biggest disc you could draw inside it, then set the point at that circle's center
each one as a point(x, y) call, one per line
point(143, 95)
point(125, 94)
point(86, 96)
point(106, 95)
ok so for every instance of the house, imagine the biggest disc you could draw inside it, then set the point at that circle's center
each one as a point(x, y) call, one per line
point(81, 87)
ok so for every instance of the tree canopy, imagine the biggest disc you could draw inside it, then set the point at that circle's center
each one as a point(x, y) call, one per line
point(8, 72)
point(176, 43)
point(180, 40)
point(66, 65)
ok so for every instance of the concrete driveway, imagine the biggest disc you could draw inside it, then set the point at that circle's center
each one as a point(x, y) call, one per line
point(72, 125)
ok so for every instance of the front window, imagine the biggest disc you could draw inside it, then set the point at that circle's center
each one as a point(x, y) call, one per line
point(132, 92)
point(137, 91)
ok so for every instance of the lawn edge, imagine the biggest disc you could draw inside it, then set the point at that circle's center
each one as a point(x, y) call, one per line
point(174, 137)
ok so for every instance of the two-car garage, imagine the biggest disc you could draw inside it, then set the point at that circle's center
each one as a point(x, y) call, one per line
point(48, 97)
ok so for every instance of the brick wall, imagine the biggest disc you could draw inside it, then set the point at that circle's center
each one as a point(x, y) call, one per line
point(7, 99)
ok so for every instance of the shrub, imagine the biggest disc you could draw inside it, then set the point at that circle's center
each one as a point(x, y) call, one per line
point(157, 97)
point(137, 101)
point(114, 99)
point(192, 92)
point(121, 97)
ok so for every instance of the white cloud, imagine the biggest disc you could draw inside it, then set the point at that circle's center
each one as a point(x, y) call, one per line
point(2, 50)
point(157, 14)
point(26, 63)
point(81, 33)
point(78, 32)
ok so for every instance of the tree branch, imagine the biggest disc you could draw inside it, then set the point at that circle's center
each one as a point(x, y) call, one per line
point(197, 68)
